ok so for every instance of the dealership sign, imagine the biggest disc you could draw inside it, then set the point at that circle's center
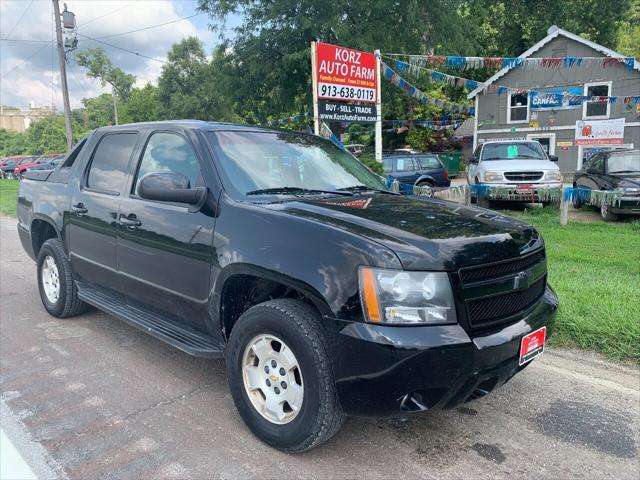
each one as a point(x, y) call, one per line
point(333, 111)
point(600, 132)
point(559, 99)
point(345, 74)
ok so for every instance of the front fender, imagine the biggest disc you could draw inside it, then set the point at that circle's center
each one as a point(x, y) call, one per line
point(312, 257)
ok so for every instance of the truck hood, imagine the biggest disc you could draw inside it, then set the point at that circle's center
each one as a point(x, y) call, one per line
point(425, 234)
point(519, 165)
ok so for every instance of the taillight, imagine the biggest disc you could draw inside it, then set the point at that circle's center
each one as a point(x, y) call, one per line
point(446, 175)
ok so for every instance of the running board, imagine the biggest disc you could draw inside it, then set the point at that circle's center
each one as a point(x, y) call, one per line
point(182, 337)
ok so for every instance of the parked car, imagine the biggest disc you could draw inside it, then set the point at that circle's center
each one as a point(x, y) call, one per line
point(522, 165)
point(327, 294)
point(422, 169)
point(49, 164)
point(355, 149)
point(617, 170)
point(23, 166)
point(12, 163)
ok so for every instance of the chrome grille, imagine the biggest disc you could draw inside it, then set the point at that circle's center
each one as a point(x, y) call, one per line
point(523, 176)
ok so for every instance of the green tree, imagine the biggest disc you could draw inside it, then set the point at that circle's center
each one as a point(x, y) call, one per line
point(183, 86)
point(12, 143)
point(269, 61)
point(48, 135)
point(143, 105)
point(509, 27)
point(629, 31)
point(97, 112)
point(99, 66)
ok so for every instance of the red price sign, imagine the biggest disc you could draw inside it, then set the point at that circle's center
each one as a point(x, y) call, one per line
point(345, 74)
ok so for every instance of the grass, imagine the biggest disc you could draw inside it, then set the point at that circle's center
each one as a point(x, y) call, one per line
point(594, 267)
point(8, 193)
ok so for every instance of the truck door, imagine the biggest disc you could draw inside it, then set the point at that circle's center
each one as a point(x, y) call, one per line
point(165, 251)
point(94, 209)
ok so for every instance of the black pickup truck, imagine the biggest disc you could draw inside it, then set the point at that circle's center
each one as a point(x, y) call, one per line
point(327, 294)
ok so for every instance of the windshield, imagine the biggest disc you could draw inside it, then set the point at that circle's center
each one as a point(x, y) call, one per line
point(513, 151)
point(624, 162)
point(257, 161)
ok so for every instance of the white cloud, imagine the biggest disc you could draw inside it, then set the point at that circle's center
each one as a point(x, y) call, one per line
point(29, 65)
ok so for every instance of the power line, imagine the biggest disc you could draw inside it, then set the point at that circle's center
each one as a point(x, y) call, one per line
point(151, 26)
point(24, 40)
point(25, 60)
point(123, 49)
point(105, 14)
point(20, 19)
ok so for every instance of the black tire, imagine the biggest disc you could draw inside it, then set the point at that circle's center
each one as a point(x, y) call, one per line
point(68, 304)
point(425, 183)
point(483, 202)
point(298, 325)
point(607, 215)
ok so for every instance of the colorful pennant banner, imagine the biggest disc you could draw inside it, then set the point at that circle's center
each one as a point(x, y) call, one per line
point(414, 92)
point(462, 63)
point(434, 76)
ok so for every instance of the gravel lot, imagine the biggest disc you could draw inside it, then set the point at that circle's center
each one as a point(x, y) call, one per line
point(100, 399)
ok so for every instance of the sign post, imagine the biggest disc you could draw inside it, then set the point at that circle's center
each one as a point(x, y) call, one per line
point(314, 83)
point(378, 133)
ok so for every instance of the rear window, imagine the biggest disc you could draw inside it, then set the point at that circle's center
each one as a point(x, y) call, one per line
point(429, 162)
point(110, 161)
point(405, 164)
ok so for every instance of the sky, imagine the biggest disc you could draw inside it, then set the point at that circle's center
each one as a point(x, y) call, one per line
point(29, 71)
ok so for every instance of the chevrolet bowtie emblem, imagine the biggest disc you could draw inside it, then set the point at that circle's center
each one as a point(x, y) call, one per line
point(274, 378)
point(520, 277)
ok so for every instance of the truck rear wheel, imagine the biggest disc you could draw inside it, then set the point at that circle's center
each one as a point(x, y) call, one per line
point(280, 376)
point(58, 291)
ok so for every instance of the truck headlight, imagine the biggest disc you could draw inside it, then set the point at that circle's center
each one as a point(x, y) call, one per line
point(553, 176)
point(493, 176)
point(406, 298)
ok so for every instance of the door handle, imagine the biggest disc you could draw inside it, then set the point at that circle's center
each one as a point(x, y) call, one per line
point(130, 221)
point(79, 208)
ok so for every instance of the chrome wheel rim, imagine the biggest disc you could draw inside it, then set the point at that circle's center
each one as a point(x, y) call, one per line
point(272, 379)
point(50, 279)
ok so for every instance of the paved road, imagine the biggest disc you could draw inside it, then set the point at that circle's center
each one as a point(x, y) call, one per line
point(106, 401)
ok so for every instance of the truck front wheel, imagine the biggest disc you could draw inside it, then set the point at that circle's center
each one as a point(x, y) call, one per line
point(58, 291)
point(280, 375)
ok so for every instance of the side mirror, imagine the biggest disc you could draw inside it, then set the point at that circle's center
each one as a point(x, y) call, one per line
point(473, 159)
point(171, 187)
point(553, 158)
point(595, 171)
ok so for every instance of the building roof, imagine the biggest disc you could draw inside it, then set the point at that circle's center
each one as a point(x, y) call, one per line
point(553, 32)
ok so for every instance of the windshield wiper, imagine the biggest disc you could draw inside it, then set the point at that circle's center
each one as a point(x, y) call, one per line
point(295, 191)
point(364, 188)
point(626, 171)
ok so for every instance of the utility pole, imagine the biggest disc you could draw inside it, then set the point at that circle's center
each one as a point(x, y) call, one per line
point(115, 104)
point(63, 75)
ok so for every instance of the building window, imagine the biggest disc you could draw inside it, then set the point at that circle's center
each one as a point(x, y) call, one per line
point(596, 109)
point(518, 109)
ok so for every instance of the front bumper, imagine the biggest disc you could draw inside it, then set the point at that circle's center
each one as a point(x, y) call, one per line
point(628, 206)
point(390, 371)
point(539, 192)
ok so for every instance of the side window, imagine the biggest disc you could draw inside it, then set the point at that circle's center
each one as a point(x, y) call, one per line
point(168, 152)
point(477, 152)
point(108, 170)
point(405, 165)
point(387, 165)
point(430, 163)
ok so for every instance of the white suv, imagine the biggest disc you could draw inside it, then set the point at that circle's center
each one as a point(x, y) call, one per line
point(521, 164)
